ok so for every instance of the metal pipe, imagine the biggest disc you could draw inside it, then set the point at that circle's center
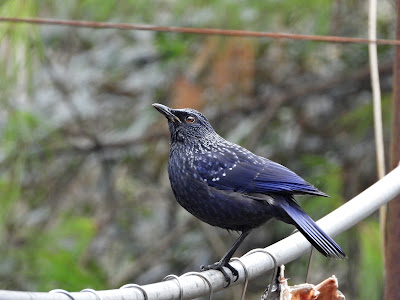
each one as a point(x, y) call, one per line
point(256, 264)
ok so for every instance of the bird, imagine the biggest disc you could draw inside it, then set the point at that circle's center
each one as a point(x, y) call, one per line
point(226, 185)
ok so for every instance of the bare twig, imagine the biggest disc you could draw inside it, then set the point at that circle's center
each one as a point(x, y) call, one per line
point(376, 98)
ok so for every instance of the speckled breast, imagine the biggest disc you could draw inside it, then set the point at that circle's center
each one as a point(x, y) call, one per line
point(223, 208)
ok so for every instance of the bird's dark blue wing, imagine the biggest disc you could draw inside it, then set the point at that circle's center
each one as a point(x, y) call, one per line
point(313, 233)
point(238, 169)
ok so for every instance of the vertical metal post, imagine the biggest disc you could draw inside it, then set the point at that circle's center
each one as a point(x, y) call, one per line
point(392, 263)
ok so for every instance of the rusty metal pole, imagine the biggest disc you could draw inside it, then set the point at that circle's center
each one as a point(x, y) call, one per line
point(392, 253)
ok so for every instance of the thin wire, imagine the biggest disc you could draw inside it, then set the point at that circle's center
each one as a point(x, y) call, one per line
point(174, 277)
point(202, 276)
point(274, 274)
point(246, 276)
point(207, 31)
point(310, 258)
point(98, 297)
point(61, 291)
point(134, 285)
point(376, 98)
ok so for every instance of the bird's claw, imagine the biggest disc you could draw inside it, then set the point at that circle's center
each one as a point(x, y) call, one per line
point(219, 266)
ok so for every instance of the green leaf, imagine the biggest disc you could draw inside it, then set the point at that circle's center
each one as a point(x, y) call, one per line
point(371, 266)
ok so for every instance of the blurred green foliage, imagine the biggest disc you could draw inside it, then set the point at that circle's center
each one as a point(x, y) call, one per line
point(361, 118)
point(371, 267)
point(67, 262)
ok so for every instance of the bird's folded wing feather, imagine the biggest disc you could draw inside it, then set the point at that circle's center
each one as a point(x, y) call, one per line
point(246, 172)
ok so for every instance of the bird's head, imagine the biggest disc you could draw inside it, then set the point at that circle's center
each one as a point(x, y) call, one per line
point(186, 125)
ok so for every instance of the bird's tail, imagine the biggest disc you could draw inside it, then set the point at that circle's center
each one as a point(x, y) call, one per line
point(312, 232)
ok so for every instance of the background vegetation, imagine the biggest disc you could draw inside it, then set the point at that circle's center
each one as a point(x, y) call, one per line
point(84, 193)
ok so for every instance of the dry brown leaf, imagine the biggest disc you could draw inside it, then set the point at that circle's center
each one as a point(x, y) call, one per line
point(326, 290)
point(234, 65)
point(187, 94)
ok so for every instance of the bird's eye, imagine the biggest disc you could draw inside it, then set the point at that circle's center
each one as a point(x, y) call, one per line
point(189, 119)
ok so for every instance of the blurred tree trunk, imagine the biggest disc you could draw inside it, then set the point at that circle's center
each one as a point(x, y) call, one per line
point(392, 263)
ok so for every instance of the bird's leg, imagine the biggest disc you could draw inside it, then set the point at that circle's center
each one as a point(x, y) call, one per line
point(224, 262)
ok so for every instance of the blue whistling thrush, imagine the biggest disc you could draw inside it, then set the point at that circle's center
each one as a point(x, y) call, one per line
point(225, 185)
